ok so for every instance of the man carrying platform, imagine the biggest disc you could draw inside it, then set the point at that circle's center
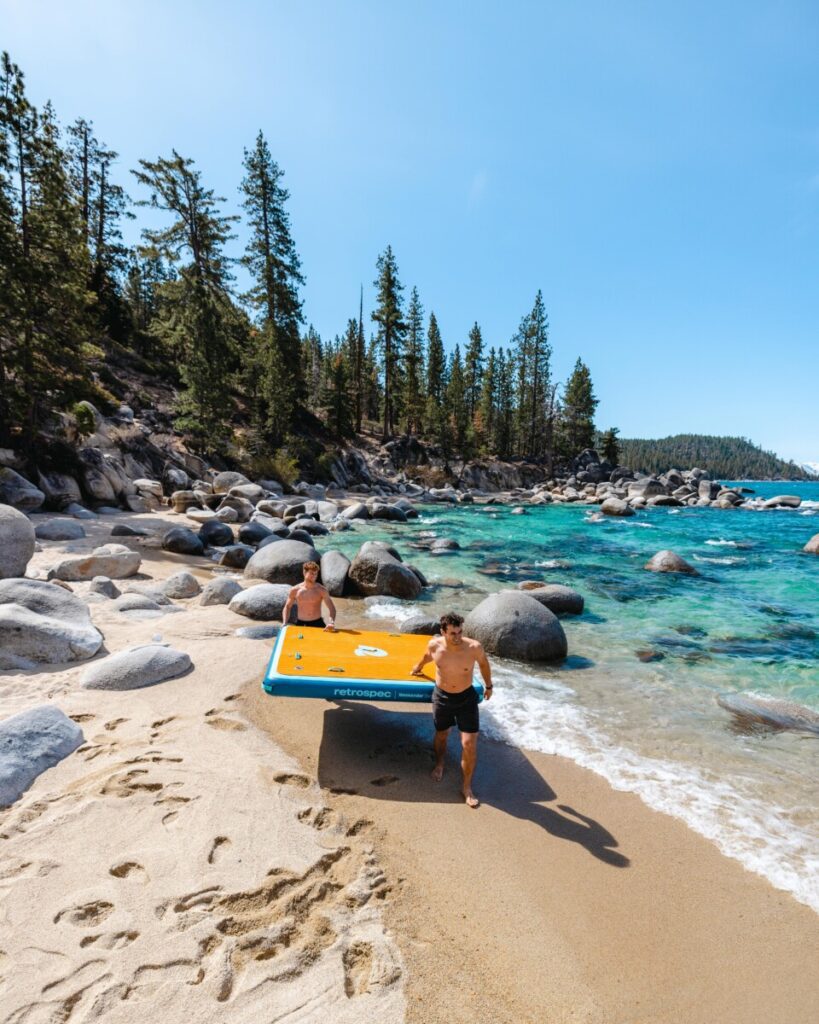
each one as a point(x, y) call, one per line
point(455, 700)
point(308, 598)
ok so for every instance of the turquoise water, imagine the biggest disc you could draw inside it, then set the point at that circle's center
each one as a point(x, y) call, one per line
point(748, 624)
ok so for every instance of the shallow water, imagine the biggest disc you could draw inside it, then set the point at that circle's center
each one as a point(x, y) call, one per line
point(636, 700)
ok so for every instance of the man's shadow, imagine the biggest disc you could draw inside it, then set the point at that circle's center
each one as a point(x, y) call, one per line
point(387, 755)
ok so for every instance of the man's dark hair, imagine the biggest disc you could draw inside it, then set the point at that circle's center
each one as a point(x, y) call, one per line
point(451, 619)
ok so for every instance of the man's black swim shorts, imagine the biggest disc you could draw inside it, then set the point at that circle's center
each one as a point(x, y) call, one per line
point(459, 709)
point(316, 623)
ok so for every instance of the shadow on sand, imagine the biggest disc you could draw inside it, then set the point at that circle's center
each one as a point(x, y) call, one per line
point(387, 755)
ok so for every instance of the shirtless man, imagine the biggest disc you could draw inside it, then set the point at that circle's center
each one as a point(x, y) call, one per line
point(454, 699)
point(308, 598)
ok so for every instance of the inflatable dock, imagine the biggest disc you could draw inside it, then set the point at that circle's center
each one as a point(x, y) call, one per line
point(349, 665)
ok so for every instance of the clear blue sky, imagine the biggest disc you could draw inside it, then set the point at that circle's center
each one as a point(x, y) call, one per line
point(652, 167)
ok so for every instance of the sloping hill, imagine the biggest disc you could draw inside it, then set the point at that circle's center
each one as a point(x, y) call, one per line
point(728, 458)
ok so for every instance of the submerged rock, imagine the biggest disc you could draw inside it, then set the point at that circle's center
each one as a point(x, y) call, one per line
point(668, 561)
point(136, 667)
point(30, 743)
point(770, 711)
point(41, 623)
point(512, 624)
point(616, 507)
point(17, 541)
point(812, 547)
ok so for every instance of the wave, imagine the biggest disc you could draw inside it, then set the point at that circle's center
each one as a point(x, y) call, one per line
point(397, 612)
point(727, 560)
point(645, 526)
point(553, 563)
point(723, 543)
point(761, 837)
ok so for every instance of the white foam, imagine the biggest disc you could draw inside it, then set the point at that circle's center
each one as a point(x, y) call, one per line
point(396, 612)
point(761, 837)
point(645, 526)
point(553, 563)
point(723, 543)
point(727, 560)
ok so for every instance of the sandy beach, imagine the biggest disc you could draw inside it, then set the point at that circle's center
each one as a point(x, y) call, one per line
point(212, 853)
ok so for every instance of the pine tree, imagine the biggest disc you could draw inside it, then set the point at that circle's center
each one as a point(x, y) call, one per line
point(533, 355)
point(437, 377)
point(44, 320)
point(505, 410)
point(610, 446)
point(272, 260)
point(198, 319)
point(457, 404)
point(473, 370)
point(391, 330)
point(336, 396)
point(358, 364)
point(487, 405)
point(102, 204)
point(579, 404)
point(312, 358)
point(413, 398)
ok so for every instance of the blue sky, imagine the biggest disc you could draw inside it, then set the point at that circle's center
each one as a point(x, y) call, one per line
point(652, 167)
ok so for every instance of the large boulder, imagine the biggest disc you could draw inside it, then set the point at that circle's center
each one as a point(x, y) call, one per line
point(182, 541)
point(668, 561)
point(251, 492)
point(389, 512)
point(41, 623)
point(812, 547)
point(60, 489)
point(220, 590)
point(243, 508)
point(30, 743)
point(356, 511)
point(223, 482)
point(783, 501)
point(646, 487)
point(265, 601)
point(253, 533)
point(215, 534)
point(137, 667)
point(95, 481)
point(334, 569)
point(181, 585)
point(18, 492)
point(281, 562)
point(558, 599)
point(513, 624)
point(311, 526)
point(112, 560)
point(616, 507)
point(376, 571)
point(236, 556)
point(16, 542)
point(58, 529)
point(423, 624)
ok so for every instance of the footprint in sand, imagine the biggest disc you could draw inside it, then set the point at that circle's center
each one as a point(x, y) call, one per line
point(218, 849)
point(359, 826)
point(86, 915)
point(115, 723)
point(226, 724)
point(125, 784)
point(358, 965)
point(384, 780)
point(129, 869)
point(291, 779)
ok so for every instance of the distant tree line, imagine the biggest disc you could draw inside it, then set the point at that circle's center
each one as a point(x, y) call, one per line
point(723, 458)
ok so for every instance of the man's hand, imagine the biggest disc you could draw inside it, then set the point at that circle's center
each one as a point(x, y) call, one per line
point(487, 691)
point(417, 671)
point(329, 628)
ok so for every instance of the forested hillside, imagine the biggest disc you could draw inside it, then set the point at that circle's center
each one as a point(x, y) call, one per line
point(85, 317)
point(723, 458)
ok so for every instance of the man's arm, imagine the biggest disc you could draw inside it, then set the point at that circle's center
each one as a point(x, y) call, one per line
point(331, 621)
point(291, 597)
point(427, 658)
point(486, 671)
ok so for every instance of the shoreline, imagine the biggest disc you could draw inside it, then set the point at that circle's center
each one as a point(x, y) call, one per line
point(559, 896)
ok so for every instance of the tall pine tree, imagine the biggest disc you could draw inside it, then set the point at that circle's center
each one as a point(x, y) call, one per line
point(271, 258)
point(413, 398)
point(579, 404)
point(198, 319)
point(473, 370)
point(388, 315)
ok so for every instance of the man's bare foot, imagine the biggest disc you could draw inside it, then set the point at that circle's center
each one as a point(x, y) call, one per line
point(471, 799)
point(437, 773)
